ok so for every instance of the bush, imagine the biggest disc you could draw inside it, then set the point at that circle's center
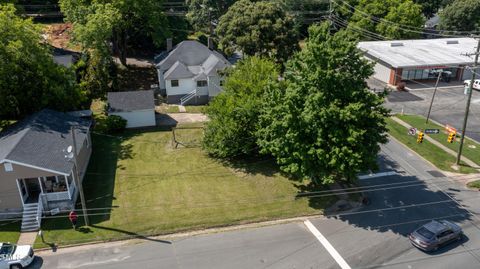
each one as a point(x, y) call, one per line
point(115, 124)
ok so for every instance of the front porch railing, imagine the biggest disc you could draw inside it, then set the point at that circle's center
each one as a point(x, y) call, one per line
point(57, 196)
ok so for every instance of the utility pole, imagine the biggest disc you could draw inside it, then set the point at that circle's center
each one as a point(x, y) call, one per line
point(464, 128)
point(77, 179)
point(440, 72)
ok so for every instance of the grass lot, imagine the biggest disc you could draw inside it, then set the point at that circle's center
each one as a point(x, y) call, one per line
point(153, 188)
point(164, 108)
point(10, 231)
point(427, 150)
point(474, 184)
point(194, 109)
point(471, 149)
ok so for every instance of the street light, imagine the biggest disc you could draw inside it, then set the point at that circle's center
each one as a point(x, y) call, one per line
point(71, 157)
point(440, 72)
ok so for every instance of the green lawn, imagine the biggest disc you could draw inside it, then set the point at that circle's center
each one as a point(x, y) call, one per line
point(474, 184)
point(195, 109)
point(427, 150)
point(471, 149)
point(168, 109)
point(9, 231)
point(147, 187)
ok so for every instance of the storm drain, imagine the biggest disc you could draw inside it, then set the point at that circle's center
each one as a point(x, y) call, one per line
point(436, 173)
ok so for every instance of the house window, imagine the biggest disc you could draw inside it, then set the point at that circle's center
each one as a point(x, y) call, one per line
point(202, 83)
point(8, 167)
point(174, 83)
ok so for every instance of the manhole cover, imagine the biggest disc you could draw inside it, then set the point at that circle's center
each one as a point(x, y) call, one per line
point(436, 174)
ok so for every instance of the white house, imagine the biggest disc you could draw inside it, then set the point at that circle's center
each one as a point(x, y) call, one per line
point(189, 74)
point(137, 107)
point(407, 60)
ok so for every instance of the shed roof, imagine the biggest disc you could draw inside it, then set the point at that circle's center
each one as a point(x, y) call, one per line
point(130, 101)
point(421, 52)
point(40, 140)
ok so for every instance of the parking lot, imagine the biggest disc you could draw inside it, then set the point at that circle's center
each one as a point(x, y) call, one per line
point(448, 107)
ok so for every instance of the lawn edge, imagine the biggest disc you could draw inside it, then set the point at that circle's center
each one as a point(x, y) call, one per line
point(187, 232)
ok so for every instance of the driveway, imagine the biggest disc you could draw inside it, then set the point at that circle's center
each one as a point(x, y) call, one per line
point(448, 107)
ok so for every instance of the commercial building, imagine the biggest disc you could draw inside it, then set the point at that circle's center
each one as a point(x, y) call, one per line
point(414, 60)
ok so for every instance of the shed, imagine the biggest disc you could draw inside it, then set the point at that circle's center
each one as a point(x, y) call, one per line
point(137, 107)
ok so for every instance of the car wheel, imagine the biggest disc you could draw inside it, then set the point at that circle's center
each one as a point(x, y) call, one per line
point(16, 266)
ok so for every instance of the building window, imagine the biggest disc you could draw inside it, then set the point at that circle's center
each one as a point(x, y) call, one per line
point(222, 82)
point(174, 83)
point(202, 83)
point(8, 167)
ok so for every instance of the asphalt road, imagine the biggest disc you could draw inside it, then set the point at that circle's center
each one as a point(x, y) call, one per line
point(448, 107)
point(374, 236)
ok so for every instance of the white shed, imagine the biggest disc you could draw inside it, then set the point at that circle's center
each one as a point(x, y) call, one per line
point(137, 107)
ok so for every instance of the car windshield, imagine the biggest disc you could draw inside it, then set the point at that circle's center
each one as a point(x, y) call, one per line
point(425, 233)
point(7, 250)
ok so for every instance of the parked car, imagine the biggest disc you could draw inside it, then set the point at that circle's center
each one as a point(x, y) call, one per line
point(15, 257)
point(435, 234)
point(476, 83)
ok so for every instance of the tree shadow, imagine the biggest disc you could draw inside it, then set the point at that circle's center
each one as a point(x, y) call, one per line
point(132, 234)
point(254, 165)
point(400, 204)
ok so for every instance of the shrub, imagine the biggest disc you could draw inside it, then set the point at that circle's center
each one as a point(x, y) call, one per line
point(115, 124)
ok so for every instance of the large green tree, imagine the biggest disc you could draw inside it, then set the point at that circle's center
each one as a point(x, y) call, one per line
point(260, 28)
point(123, 22)
point(29, 79)
point(391, 19)
point(323, 123)
point(461, 15)
point(202, 13)
point(234, 113)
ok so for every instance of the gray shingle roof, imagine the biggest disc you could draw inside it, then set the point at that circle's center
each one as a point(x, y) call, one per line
point(130, 101)
point(40, 140)
point(195, 56)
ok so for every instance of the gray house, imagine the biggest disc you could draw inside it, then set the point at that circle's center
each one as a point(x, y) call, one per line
point(35, 174)
point(190, 73)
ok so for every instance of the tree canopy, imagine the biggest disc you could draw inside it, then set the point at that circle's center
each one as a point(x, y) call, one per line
point(323, 123)
point(392, 19)
point(260, 28)
point(29, 78)
point(123, 22)
point(461, 15)
point(202, 12)
point(234, 112)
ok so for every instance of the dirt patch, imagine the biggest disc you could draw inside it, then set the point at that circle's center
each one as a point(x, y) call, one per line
point(59, 35)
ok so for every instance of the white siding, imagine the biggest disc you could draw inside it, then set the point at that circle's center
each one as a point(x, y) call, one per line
point(185, 86)
point(382, 72)
point(214, 86)
point(161, 80)
point(139, 118)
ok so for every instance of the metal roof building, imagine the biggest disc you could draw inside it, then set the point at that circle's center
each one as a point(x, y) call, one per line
point(414, 59)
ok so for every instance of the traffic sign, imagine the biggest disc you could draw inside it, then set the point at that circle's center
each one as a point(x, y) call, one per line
point(412, 131)
point(450, 129)
point(432, 131)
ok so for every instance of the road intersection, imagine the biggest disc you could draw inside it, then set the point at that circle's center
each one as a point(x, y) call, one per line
point(408, 193)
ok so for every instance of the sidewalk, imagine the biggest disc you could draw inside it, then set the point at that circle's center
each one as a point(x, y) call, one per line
point(27, 238)
point(438, 144)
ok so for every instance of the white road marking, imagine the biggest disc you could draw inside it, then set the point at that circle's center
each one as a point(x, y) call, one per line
point(382, 174)
point(343, 264)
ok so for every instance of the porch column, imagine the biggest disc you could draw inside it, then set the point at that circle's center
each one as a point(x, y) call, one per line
point(20, 191)
point(68, 187)
point(41, 185)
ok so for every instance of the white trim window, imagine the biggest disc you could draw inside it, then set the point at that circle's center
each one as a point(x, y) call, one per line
point(8, 167)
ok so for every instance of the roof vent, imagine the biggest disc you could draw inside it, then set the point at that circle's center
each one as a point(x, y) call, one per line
point(449, 42)
point(396, 44)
